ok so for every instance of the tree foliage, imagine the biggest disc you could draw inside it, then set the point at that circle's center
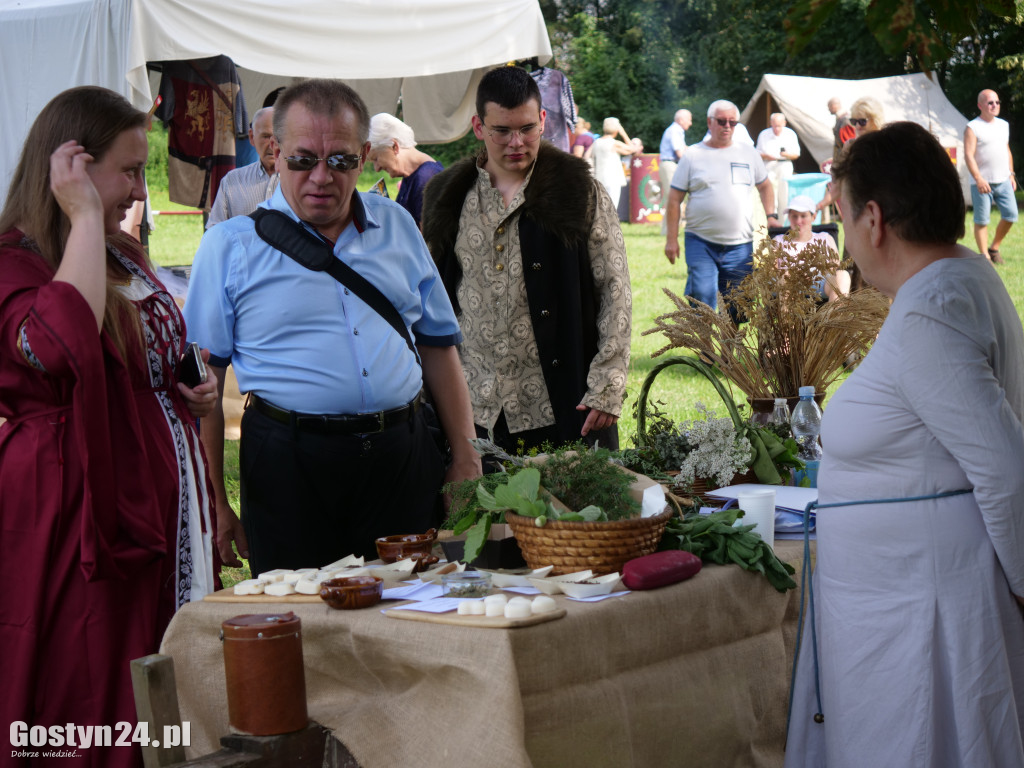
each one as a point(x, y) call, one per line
point(640, 60)
point(926, 30)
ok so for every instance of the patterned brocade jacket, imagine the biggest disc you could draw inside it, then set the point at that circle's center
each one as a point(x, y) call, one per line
point(581, 326)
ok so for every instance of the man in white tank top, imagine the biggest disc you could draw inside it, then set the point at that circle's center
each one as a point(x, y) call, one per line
point(990, 162)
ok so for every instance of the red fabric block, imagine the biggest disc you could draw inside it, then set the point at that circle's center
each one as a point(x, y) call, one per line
point(660, 569)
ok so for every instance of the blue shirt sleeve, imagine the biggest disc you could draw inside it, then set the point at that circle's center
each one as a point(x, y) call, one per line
point(209, 314)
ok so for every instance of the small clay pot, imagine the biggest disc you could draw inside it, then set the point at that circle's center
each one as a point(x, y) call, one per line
point(392, 548)
point(352, 592)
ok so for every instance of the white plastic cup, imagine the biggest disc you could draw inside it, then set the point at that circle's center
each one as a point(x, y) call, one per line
point(759, 507)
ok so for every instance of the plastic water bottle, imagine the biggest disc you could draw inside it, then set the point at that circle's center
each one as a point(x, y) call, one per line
point(806, 425)
point(780, 413)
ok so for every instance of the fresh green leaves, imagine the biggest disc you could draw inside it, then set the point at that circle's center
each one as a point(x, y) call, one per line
point(923, 28)
point(519, 495)
point(476, 535)
point(716, 539)
point(581, 476)
point(589, 514)
point(772, 454)
point(586, 473)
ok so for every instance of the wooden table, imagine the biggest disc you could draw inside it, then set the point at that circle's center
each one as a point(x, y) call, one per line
point(696, 673)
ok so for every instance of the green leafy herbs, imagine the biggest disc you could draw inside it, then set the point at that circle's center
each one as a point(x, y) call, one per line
point(665, 445)
point(644, 460)
point(715, 539)
point(574, 484)
point(773, 456)
point(580, 477)
point(464, 502)
point(519, 493)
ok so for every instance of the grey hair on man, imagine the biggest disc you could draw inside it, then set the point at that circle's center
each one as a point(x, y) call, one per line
point(258, 114)
point(722, 106)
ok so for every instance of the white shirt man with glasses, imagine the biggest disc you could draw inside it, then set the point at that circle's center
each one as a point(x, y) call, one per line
point(530, 251)
point(990, 163)
point(335, 450)
point(719, 176)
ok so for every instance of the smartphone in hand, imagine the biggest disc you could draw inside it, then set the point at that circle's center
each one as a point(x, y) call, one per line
point(191, 368)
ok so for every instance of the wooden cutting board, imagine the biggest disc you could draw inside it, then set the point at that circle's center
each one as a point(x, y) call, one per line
point(491, 622)
point(228, 596)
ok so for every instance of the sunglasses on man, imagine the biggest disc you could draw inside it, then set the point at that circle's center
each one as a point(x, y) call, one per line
point(722, 122)
point(993, 103)
point(334, 162)
point(859, 121)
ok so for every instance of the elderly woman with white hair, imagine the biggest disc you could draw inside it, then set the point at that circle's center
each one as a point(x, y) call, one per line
point(607, 152)
point(393, 150)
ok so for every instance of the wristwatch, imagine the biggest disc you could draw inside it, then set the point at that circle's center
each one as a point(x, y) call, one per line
point(772, 216)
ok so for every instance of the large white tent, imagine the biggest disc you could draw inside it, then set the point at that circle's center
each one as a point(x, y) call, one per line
point(429, 53)
point(804, 101)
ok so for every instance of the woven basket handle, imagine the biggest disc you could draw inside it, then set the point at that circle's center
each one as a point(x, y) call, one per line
point(700, 367)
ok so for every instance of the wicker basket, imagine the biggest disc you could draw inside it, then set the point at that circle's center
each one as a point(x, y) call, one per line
point(702, 485)
point(600, 547)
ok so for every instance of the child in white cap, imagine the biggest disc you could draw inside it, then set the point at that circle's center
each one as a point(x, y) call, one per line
point(801, 213)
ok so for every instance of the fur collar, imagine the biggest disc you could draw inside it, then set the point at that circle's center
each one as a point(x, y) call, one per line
point(559, 198)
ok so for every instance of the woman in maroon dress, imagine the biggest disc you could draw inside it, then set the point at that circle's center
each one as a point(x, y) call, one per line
point(105, 514)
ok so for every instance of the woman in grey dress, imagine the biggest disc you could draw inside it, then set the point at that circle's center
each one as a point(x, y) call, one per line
point(917, 599)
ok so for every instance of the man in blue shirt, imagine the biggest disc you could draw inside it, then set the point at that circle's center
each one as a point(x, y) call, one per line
point(673, 144)
point(335, 451)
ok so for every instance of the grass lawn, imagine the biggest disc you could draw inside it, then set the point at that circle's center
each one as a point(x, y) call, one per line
point(176, 238)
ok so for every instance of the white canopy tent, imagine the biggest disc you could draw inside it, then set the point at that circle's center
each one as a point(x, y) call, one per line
point(804, 102)
point(429, 53)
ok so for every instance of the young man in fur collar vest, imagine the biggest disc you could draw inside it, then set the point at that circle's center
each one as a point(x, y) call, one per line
point(532, 257)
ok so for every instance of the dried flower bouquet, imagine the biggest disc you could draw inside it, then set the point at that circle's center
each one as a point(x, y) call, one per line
point(789, 339)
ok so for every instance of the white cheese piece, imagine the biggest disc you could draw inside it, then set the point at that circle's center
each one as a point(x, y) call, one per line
point(543, 604)
point(279, 589)
point(309, 584)
point(477, 607)
point(516, 610)
point(269, 577)
point(495, 609)
point(249, 587)
point(466, 607)
point(294, 576)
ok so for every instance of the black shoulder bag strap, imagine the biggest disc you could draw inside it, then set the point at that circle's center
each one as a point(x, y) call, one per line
point(291, 238)
point(294, 240)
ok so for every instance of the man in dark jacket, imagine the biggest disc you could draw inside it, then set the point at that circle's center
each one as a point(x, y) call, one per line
point(532, 257)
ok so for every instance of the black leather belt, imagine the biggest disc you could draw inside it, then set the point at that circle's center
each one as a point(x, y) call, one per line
point(332, 424)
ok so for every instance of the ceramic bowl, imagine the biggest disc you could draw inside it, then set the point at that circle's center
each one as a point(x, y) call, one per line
point(352, 592)
point(391, 548)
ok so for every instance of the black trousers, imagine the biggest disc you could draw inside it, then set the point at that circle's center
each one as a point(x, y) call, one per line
point(310, 499)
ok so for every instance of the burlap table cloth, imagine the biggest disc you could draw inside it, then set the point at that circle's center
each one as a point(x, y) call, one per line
point(694, 674)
